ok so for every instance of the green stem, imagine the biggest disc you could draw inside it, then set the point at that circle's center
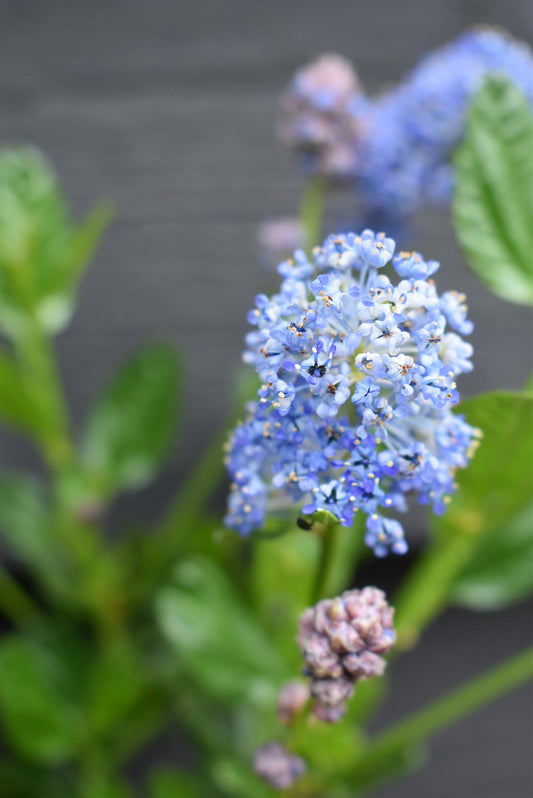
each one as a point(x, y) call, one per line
point(328, 536)
point(311, 211)
point(425, 591)
point(38, 361)
point(15, 603)
point(447, 710)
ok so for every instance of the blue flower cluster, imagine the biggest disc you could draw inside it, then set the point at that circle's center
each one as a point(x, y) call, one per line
point(396, 146)
point(410, 132)
point(358, 379)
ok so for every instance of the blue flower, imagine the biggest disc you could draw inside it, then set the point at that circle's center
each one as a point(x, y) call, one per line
point(358, 379)
point(408, 134)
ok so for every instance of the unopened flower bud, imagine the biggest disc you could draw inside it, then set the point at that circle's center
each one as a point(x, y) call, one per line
point(278, 239)
point(276, 766)
point(343, 641)
point(329, 714)
point(292, 698)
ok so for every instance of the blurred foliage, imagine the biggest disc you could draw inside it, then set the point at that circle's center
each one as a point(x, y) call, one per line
point(185, 622)
point(216, 638)
point(477, 530)
point(43, 253)
point(495, 485)
point(502, 571)
point(493, 205)
point(131, 427)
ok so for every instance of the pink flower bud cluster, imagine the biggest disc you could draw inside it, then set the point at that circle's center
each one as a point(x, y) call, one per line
point(276, 766)
point(320, 119)
point(343, 641)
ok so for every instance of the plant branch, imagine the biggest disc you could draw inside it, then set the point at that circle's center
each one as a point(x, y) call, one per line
point(426, 589)
point(328, 538)
point(445, 711)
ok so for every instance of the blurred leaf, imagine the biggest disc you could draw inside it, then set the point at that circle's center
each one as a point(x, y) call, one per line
point(328, 748)
point(496, 485)
point(115, 684)
point(237, 780)
point(492, 491)
point(216, 639)
point(22, 779)
point(43, 253)
point(84, 241)
point(493, 205)
point(38, 686)
point(103, 787)
point(167, 783)
point(284, 567)
point(24, 520)
point(283, 574)
point(349, 550)
point(502, 570)
point(17, 407)
point(130, 429)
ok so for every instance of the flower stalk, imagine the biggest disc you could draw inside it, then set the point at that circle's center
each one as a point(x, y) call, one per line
point(311, 211)
point(443, 712)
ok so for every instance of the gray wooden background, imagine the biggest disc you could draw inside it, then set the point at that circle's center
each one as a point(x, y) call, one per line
point(167, 108)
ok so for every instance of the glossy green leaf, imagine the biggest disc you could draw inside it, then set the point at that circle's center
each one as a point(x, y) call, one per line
point(493, 204)
point(215, 637)
point(43, 252)
point(130, 429)
point(502, 570)
point(40, 714)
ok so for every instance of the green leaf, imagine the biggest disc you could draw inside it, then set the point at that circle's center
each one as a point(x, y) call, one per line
point(217, 640)
point(43, 253)
point(329, 749)
point(24, 520)
point(130, 429)
point(17, 407)
point(40, 714)
point(22, 779)
point(502, 570)
point(102, 786)
point(496, 485)
point(237, 780)
point(167, 783)
point(483, 525)
point(493, 204)
point(283, 573)
point(115, 684)
point(284, 570)
point(25, 526)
